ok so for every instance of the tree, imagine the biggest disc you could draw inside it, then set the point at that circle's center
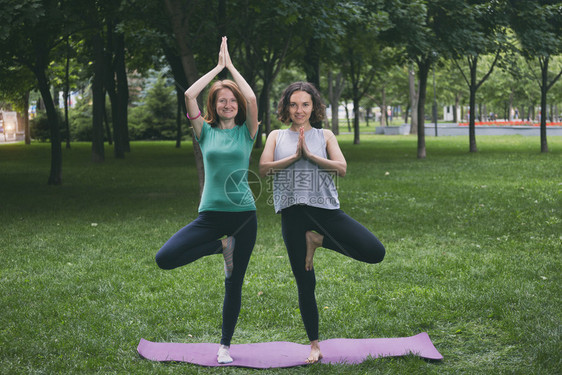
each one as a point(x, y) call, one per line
point(454, 87)
point(115, 80)
point(414, 96)
point(362, 52)
point(15, 86)
point(181, 25)
point(471, 31)
point(336, 85)
point(319, 27)
point(538, 26)
point(414, 26)
point(30, 31)
point(259, 48)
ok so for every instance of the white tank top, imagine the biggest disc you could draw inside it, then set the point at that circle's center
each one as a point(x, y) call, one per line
point(303, 182)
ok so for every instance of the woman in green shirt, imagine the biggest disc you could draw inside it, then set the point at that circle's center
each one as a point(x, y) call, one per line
point(226, 135)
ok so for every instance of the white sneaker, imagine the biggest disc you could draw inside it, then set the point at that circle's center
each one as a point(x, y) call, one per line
point(223, 355)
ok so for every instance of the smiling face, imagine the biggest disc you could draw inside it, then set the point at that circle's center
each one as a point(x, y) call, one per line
point(300, 108)
point(227, 105)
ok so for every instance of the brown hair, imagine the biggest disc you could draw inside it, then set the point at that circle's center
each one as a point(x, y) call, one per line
point(318, 107)
point(211, 115)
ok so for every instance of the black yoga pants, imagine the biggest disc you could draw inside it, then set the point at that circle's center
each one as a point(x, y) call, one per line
point(201, 238)
point(341, 233)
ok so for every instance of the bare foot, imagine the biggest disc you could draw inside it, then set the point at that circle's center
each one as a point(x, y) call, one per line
point(227, 252)
point(313, 241)
point(315, 354)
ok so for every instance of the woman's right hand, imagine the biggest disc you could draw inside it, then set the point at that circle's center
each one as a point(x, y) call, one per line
point(301, 145)
point(222, 54)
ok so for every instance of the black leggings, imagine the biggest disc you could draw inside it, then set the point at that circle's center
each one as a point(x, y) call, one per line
point(341, 233)
point(201, 238)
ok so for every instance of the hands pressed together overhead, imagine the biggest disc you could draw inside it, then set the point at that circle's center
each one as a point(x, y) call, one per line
point(224, 56)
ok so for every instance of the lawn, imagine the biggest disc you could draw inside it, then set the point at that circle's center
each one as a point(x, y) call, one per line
point(473, 258)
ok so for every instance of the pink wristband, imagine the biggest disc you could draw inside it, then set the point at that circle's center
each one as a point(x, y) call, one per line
point(193, 118)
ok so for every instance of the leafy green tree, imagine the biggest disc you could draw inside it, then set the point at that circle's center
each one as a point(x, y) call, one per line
point(336, 85)
point(538, 26)
point(361, 51)
point(453, 87)
point(472, 30)
point(159, 106)
point(180, 15)
point(414, 25)
point(263, 33)
point(29, 31)
point(115, 78)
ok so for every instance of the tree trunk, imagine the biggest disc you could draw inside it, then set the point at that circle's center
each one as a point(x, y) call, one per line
point(455, 108)
point(179, 117)
point(264, 112)
point(423, 67)
point(98, 99)
point(181, 31)
point(122, 92)
point(356, 132)
point(55, 176)
point(334, 92)
point(544, 92)
point(25, 118)
point(222, 30)
point(312, 62)
point(481, 113)
point(347, 117)
point(335, 121)
point(384, 117)
point(472, 106)
point(510, 109)
point(109, 74)
point(66, 93)
point(181, 85)
point(106, 123)
point(414, 97)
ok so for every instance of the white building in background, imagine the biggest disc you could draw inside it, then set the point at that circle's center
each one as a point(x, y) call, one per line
point(72, 98)
point(448, 112)
point(341, 111)
point(10, 126)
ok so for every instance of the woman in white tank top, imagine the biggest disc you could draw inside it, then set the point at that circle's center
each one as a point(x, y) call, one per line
point(306, 161)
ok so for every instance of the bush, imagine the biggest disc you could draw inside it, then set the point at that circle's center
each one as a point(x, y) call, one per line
point(80, 119)
point(39, 128)
point(156, 117)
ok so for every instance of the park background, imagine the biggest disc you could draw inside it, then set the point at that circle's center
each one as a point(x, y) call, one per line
point(472, 229)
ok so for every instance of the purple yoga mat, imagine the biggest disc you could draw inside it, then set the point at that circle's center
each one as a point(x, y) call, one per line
point(289, 354)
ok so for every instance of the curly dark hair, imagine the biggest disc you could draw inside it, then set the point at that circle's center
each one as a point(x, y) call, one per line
point(318, 106)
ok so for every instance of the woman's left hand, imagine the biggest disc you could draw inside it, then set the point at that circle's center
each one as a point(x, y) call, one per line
point(228, 61)
point(222, 54)
point(302, 144)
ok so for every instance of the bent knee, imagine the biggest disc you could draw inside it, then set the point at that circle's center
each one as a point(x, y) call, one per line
point(377, 256)
point(162, 262)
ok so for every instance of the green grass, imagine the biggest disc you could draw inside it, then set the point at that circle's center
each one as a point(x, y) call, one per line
point(473, 258)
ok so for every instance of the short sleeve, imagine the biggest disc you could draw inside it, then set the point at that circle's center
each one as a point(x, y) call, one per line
point(247, 132)
point(204, 130)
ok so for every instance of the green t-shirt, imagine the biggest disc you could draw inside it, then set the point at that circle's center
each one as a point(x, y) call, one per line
point(226, 157)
